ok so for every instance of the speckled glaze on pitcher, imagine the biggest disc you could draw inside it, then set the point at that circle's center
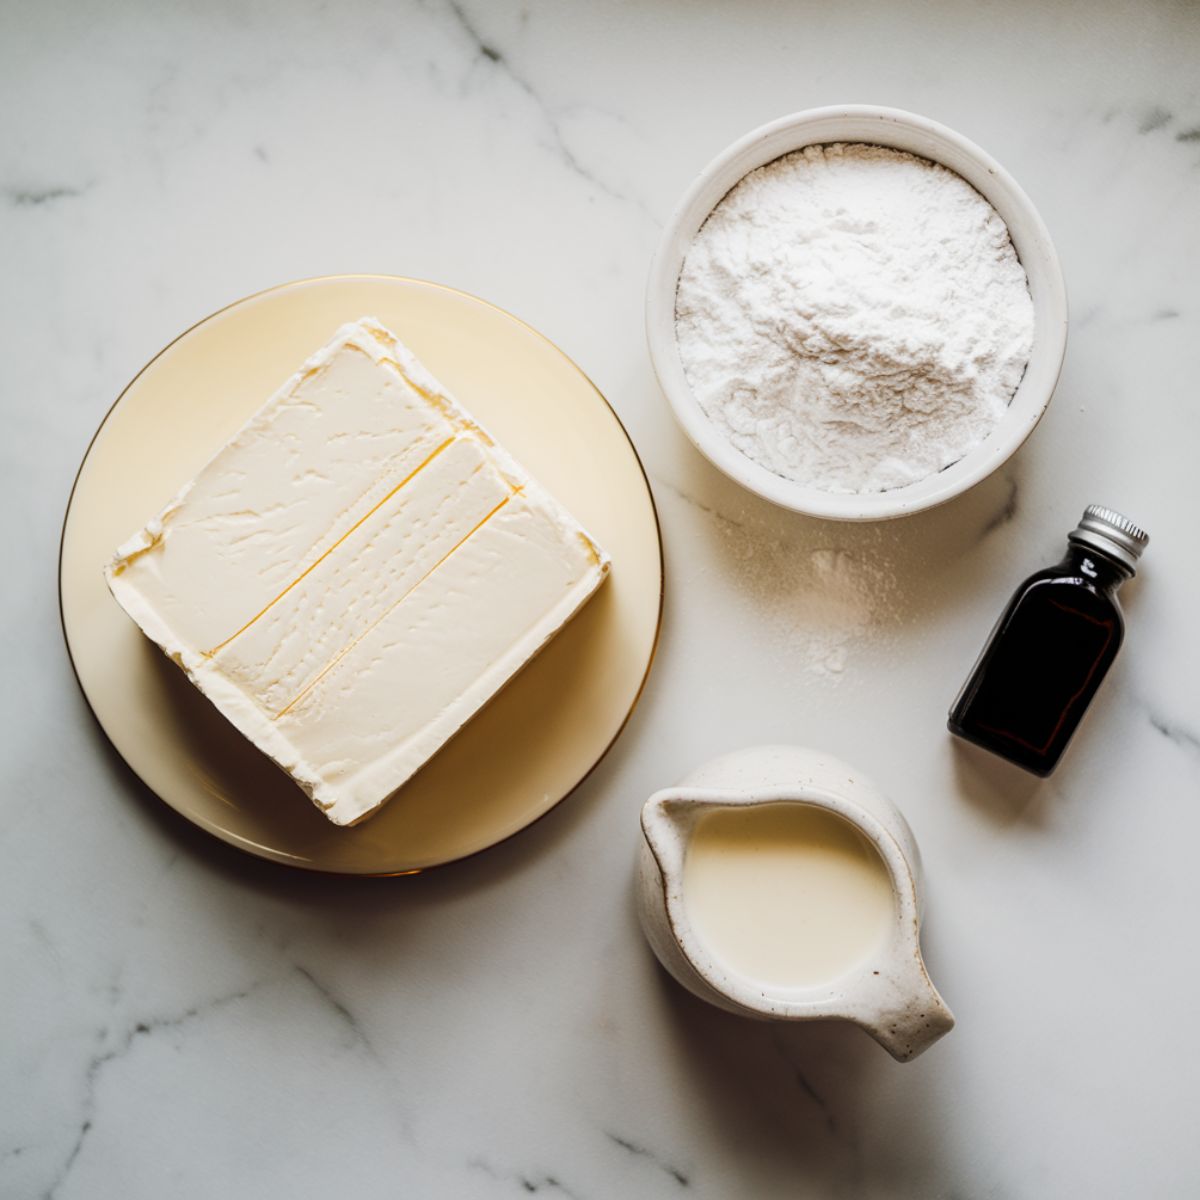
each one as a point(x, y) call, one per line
point(890, 994)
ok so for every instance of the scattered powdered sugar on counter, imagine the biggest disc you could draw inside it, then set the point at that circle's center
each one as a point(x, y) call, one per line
point(824, 602)
point(836, 610)
point(853, 317)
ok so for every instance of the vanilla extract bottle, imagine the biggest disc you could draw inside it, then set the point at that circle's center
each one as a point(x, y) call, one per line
point(1052, 647)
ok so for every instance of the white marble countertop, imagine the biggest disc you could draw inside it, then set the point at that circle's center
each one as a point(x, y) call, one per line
point(182, 1021)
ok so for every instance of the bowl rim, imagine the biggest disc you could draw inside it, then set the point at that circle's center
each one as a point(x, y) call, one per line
point(1034, 247)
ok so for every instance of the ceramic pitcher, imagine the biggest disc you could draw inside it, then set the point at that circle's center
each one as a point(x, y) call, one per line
point(890, 994)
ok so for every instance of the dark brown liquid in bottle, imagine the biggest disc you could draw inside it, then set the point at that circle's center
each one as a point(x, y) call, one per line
point(1045, 659)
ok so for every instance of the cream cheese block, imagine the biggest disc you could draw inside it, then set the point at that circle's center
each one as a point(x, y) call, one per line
point(357, 572)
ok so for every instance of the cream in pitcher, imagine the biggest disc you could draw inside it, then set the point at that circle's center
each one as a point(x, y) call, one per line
point(786, 893)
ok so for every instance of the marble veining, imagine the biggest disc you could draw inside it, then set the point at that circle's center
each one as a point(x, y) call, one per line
point(639, 1151)
point(1186, 739)
point(689, 499)
point(1156, 118)
point(182, 1021)
point(111, 1049)
point(529, 1184)
point(488, 55)
point(36, 197)
point(812, 1093)
point(343, 1014)
point(1005, 513)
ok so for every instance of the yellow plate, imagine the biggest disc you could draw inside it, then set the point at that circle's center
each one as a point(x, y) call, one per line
point(519, 756)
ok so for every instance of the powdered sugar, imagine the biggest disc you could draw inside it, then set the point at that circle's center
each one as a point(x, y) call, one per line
point(853, 317)
point(822, 601)
point(836, 611)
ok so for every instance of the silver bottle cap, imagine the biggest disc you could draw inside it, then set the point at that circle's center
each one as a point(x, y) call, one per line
point(1111, 534)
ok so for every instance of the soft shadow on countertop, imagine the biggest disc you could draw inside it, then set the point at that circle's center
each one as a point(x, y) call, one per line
point(1002, 792)
point(358, 894)
point(782, 555)
point(800, 1097)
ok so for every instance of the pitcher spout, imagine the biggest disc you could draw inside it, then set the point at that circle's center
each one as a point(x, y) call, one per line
point(909, 1014)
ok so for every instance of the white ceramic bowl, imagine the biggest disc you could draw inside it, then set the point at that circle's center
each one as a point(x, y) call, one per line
point(902, 131)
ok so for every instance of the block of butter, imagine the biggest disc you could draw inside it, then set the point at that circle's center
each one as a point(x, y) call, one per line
point(357, 572)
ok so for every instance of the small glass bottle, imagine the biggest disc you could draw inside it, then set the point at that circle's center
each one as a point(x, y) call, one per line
point(1051, 647)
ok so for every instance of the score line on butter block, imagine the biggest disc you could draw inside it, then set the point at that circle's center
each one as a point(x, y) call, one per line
point(356, 572)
